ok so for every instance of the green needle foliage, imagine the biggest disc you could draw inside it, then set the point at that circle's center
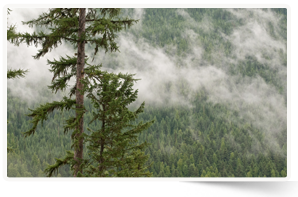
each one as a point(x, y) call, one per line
point(113, 149)
point(11, 74)
point(64, 25)
point(95, 27)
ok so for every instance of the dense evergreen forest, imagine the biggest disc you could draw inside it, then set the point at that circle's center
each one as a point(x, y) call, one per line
point(208, 139)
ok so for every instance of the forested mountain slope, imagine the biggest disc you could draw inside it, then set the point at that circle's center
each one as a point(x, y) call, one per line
point(215, 81)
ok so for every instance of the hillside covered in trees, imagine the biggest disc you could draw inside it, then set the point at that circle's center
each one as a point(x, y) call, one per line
point(214, 81)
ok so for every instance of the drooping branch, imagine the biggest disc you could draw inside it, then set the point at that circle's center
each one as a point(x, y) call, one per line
point(47, 41)
point(41, 113)
point(50, 18)
point(16, 73)
point(51, 169)
point(107, 28)
point(61, 83)
point(60, 67)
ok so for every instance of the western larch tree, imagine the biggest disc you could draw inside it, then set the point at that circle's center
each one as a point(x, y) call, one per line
point(77, 26)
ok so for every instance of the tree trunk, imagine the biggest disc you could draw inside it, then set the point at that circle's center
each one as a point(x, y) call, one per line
point(102, 142)
point(78, 154)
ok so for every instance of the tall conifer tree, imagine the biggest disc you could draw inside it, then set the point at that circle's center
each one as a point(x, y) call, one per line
point(77, 26)
point(113, 147)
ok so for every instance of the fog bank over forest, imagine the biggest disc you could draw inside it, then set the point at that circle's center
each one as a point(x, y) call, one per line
point(258, 103)
point(167, 79)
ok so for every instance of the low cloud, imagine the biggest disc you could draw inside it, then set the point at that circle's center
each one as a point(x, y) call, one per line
point(169, 80)
point(258, 103)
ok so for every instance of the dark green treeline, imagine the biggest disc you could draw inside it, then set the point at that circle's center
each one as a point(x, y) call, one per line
point(184, 143)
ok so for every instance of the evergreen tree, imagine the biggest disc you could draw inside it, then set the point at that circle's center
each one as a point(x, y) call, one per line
point(113, 148)
point(76, 26)
point(167, 171)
